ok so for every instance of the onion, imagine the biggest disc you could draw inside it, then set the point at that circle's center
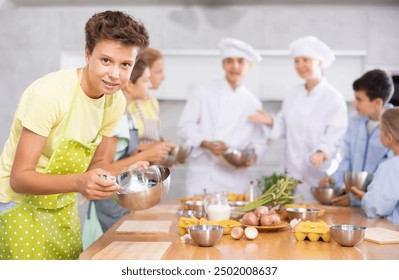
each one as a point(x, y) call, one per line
point(250, 219)
point(261, 210)
point(237, 233)
point(266, 220)
point(251, 233)
point(276, 219)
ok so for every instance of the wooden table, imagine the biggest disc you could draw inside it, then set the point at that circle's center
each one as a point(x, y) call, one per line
point(271, 245)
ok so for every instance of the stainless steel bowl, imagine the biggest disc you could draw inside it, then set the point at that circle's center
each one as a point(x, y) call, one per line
point(235, 207)
point(347, 235)
point(170, 159)
point(182, 153)
point(206, 235)
point(324, 195)
point(196, 205)
point(177, 155)
point(358, 179)
point(305, 214)
point(239, 158)
point(190, 214)
point(147, 197)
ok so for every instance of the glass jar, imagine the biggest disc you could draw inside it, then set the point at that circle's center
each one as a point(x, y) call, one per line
point(217, 206)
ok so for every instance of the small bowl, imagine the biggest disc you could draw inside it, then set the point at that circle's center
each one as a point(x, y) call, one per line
point(206, 235)
point(239, 158)
point(305, 214)
point(190, 214)
point(359, 180)
point(347, 235)
point(235, 207)
point(196, 205)
point(324, 195)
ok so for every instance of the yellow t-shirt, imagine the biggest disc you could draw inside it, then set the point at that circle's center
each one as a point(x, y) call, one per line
point(43, 109)
point(148, 112)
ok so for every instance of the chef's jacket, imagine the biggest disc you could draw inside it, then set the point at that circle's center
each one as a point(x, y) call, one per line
point(361, 150)
point(310, 122)
point(216, 112)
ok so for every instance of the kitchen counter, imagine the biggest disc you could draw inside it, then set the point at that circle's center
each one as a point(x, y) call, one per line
point(271, 245)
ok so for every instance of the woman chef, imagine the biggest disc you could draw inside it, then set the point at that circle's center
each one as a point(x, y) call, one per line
point(215, 118)
point(313, 117)
point(61, 129)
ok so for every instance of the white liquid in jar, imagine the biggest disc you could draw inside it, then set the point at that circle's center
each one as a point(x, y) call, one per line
point(217, 212)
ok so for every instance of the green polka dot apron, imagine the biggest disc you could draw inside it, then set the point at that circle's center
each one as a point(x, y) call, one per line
point(47, 227)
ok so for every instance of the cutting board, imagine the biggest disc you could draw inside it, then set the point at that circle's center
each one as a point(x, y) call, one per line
point(163, 208)
point(381, 235)
point(144, 227)
point(120, 250)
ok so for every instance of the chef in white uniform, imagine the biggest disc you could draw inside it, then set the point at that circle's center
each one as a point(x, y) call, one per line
point(313, 118)
point(215, 118)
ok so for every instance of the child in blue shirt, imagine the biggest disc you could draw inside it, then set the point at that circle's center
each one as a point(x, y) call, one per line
point(382, 197)
point(362, 149)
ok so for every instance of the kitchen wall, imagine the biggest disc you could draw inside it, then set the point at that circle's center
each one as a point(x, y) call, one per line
point(33, 39)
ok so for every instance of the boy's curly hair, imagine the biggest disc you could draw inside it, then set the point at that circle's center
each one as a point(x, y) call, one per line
point(115, 26)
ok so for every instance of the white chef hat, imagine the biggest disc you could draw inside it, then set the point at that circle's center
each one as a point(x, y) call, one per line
point(231, 47)
point(310, 46)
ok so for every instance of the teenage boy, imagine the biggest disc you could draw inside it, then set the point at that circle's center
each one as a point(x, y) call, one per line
point(362, 149)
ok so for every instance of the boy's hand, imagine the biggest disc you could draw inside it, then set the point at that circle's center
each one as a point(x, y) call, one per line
point(327, 181)
point(342, 200)
point(357, 192)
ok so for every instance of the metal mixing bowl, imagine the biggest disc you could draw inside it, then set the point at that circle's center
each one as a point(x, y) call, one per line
point(190, 214)
point(347, 235)
point(170, 159)
point(206, 235)
point(239, 158)
point(305, 214)
point(182, 153)
point(147, 197)
point(196, 205)
point(358, 179)
point(324, 195)
point(235, 207)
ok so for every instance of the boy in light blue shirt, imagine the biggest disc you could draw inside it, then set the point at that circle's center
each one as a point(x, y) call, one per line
point(362, 149)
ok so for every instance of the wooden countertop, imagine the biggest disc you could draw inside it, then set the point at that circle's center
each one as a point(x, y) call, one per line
point(271, 245)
